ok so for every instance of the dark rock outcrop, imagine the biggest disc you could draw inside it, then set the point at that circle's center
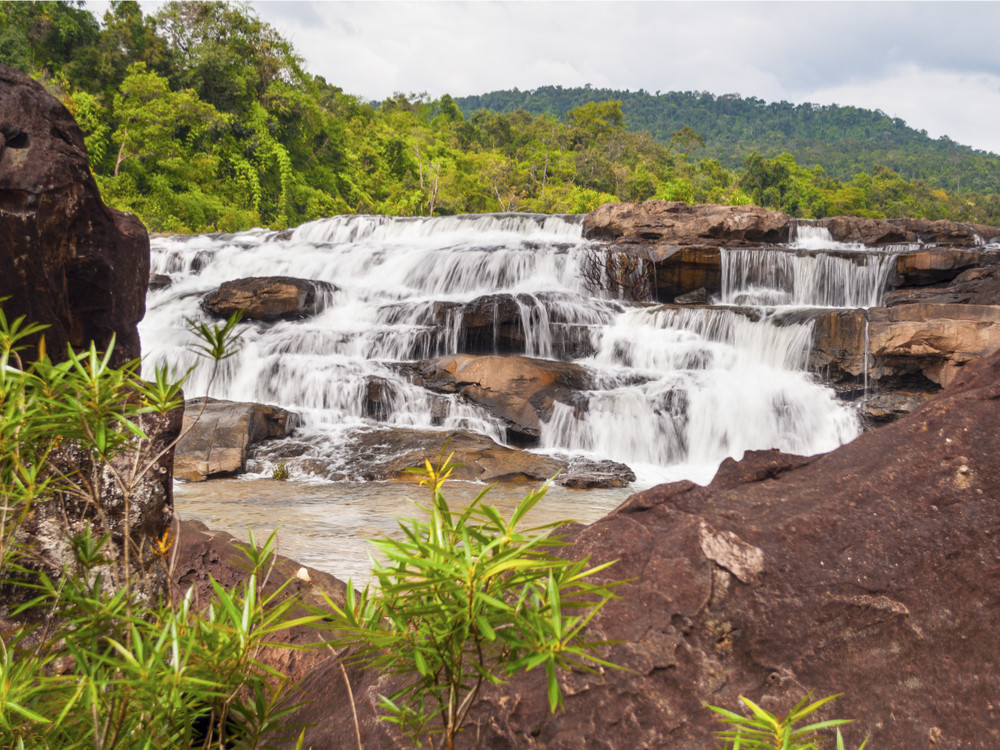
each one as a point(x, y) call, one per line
point(870, 570)
point(68, 260)
point(267, 298)
point(220, 439)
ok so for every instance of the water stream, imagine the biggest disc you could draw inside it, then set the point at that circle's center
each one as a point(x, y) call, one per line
point(678, 389)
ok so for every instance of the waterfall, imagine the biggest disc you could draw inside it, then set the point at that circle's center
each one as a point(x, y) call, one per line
point(676, 390)
point(772, 278)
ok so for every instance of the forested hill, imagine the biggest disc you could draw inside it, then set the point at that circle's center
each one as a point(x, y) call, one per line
point(843, 140)
point(201, 117)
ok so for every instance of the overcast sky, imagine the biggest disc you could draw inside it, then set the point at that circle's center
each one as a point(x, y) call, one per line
point(936, 65)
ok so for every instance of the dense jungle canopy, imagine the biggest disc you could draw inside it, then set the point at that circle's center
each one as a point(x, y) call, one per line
point(201, 118)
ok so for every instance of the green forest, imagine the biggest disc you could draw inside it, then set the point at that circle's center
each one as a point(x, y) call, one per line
point(202, 118)
point(843, 140)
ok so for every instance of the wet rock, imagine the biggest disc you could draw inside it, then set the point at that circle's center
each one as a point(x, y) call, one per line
point(869, 571)
point(222, 434)
point(159, 281)
point(681, 241)
point(936, 265)
point(386, 454)
point(586, 474)
point(492, 324)
point(381, 396)
point(500, 324)
point(268, 298)
point(519, 390)
point(699, 296)
point(68, 261)
point(944, 232)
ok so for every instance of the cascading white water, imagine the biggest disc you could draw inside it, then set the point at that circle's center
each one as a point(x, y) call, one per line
point(772, 278)
point(711, 384)
point(679, 389)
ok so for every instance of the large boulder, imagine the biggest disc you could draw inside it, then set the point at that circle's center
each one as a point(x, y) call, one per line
point(267, 298)
point(68, 260)
point(218, 436)
point(519, 390)
point(870, 571)
point(665, 225)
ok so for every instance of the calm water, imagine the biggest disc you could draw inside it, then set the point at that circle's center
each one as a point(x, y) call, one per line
point(326, 525)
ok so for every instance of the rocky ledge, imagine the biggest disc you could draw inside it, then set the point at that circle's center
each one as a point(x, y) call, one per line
point(217, 436)
point(941, 310)
point(387, 453)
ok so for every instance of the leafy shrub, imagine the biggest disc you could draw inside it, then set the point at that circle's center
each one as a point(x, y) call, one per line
point(766, 731)
point(464, 599)
point(85, 659)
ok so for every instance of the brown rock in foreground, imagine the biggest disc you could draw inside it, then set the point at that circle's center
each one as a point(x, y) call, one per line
point(201, 554)
point(67, 260)
point(870, 570)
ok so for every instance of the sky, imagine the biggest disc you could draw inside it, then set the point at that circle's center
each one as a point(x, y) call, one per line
point(936, 65)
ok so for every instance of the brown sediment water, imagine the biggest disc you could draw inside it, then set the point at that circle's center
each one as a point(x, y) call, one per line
point(327, 525)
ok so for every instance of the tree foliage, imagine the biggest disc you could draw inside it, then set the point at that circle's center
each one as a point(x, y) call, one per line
point(844, 140)
point(201, 118)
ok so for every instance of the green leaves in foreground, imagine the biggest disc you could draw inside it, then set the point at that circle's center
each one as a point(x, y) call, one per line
point(465, 598)
point(143, 675)
point(765, 731)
